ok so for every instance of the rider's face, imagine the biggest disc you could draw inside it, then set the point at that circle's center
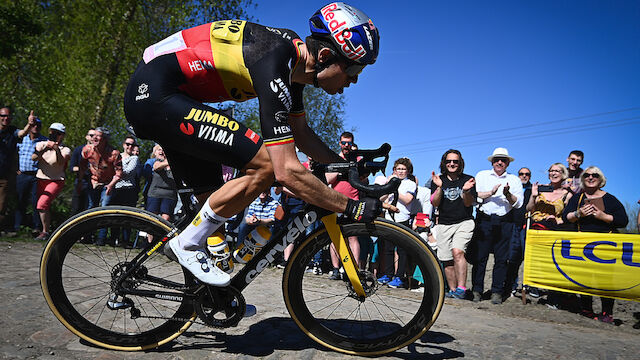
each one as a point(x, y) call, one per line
point(334, 79)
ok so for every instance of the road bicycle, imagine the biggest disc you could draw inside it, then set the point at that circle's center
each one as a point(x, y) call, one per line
point(132, 299)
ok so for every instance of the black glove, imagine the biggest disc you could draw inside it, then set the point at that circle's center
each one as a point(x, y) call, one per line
point(365, 210)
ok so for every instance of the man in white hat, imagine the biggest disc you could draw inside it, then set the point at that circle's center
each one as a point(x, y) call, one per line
point(499, 193)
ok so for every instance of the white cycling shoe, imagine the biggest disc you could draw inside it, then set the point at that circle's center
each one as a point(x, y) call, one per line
point(199, 264)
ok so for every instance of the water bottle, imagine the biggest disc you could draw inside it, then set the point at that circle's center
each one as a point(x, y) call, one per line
point(219, 250)
point(252, 244)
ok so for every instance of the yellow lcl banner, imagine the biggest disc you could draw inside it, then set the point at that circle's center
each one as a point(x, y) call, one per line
point(584, 263)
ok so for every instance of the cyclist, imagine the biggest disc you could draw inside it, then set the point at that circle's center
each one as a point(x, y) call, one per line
point(238, 60)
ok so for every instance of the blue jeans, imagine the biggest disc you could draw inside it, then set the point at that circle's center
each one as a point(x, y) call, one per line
point(98, 197)
point(26, 189)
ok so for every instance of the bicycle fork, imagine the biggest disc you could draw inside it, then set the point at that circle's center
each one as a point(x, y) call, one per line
point(346, 257)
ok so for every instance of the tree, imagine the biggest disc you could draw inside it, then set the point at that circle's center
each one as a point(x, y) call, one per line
point(325, 114)
point(70, 60)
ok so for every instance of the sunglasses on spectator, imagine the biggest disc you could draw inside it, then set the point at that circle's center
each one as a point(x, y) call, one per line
point(91, 135)
point(346, 142)
point(496, 159)
point(5, 115)
point(129, 144)
point(455, 161)
point(524, 174)
point(594, 175)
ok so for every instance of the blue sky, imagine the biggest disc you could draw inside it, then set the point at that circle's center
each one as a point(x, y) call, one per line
point(540, 78)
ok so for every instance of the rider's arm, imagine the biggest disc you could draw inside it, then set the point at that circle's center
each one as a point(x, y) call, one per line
point(310, 143)
point(292, 174)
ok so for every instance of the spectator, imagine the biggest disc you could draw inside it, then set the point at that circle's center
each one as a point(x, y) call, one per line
point(147, 173)
point(9, 136)
point(346, 146)
point(574, 160)
point(595, 210)
point(136, 150)
point(453, 193)
point(80, 199)
point(26, 181)
point(495, 222)
point(52, 157)
point(162, 195)
point(516, 248)
point(547, 202)
point(546, 212)
point(105, 165)
point(126, 189)
point(393, 272)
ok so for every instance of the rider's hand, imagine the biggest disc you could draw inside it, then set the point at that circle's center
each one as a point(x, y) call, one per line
point(365, 210)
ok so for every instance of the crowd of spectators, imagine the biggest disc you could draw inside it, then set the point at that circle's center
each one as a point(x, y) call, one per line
point(464, 218)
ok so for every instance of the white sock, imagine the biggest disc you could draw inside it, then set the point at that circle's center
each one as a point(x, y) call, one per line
point(204, 224)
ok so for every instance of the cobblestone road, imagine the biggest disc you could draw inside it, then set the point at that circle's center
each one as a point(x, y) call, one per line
point(479, 331)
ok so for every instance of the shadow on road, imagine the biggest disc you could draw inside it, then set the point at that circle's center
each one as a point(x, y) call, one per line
point(281, 333)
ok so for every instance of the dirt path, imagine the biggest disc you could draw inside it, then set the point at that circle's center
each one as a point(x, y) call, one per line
point(465, 329)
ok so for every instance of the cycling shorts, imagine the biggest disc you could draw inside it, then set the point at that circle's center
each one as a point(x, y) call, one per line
point(196, 138)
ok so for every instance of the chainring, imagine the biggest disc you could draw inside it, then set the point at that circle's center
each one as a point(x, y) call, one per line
point(220, 307)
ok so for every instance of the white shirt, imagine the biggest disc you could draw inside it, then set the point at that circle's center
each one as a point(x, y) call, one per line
point(422, 202)
point(406, 186)
point(498, 204)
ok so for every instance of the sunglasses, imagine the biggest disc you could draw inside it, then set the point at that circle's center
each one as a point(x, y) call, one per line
point(346, 143)
point(524, 174)
point(455, 161)
point(129, 144)
point(594, 175)
point(5, 115)
point(354, 70)
point(496, 159)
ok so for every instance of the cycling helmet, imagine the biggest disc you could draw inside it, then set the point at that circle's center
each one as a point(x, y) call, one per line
point(349, 30)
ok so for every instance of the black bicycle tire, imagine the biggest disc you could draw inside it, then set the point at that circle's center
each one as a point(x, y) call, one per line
point(423, 319)
point(51, 283)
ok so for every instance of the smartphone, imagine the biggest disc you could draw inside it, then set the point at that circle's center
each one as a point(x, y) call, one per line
point(545, 188)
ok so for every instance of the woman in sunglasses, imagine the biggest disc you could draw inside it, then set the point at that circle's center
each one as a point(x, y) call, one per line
point(595, 210)
point(547, 202)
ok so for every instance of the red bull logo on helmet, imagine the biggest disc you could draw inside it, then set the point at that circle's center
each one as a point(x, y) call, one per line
point(340, 32)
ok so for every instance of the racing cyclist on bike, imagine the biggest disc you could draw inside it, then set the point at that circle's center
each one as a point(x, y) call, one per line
point(237, 60)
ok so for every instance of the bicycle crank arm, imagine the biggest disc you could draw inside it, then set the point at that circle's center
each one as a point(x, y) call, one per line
point(346, 257)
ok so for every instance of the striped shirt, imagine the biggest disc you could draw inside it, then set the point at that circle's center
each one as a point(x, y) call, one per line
point(263, 211)
point(26, 149)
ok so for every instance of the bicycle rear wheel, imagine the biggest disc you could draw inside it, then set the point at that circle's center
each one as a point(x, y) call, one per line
point(77, 279)
point(387, 319)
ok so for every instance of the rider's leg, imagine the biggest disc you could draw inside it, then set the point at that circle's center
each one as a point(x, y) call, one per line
point(229, 200)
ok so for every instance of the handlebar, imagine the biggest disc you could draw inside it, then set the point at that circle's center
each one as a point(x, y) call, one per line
point(363, 162)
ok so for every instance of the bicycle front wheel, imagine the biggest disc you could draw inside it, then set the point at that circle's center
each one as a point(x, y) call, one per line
point(332, 314)
point(79, 281)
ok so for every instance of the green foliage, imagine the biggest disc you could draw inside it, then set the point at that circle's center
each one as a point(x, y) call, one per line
point(325, 114)
point(70, 60)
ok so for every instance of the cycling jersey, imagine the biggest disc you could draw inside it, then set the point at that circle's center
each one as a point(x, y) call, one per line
point(223, 60)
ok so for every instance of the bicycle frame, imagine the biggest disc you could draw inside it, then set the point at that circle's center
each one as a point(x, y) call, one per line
point(268, 255)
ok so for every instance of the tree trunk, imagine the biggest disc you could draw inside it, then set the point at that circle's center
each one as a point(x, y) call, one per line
point(113, 68)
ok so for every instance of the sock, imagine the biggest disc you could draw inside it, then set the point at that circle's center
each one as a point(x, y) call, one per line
point(463, 288)
point(203, 225)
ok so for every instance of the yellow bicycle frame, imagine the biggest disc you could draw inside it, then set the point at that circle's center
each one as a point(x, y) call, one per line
point(346, 257)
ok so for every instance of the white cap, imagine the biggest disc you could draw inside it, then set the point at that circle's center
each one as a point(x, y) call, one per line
point(500, 152)
point(57, 127)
